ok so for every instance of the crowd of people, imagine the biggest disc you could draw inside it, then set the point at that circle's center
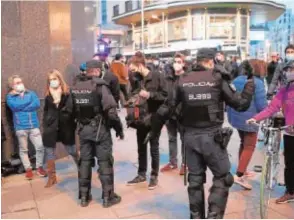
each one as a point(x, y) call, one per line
point(159, 95)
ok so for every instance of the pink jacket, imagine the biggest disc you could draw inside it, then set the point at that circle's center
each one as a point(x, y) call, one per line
point(285, 100)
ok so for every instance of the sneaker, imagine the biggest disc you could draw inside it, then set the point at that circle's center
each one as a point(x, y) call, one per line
point(287, 197)
point(182, 170)
point(41, 172)
point(136, 180)
point(29, 174)
point(153, 183)
point(168, 167)
point(242, 182)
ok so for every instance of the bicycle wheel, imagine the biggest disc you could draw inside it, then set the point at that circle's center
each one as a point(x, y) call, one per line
point(265, 186)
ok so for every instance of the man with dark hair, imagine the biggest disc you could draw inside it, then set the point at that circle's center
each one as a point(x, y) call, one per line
point(221, 61)
point(121, 72)
point(278, 75)
point(95, 111)
point(172, 74)
point(271, 68)
point(201, 94)
point(109, 77)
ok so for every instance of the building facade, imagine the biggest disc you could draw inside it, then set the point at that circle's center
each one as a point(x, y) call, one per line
point(173, 25)
point(281, 32)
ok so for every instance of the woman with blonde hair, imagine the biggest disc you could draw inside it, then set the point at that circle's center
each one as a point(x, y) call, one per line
point(58, 122)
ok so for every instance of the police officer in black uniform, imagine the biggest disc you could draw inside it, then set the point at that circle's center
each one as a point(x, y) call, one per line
point(202, 94)
point(95, 111)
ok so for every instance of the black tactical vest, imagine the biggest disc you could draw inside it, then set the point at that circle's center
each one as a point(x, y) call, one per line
point(202, 104)
point(86, 100)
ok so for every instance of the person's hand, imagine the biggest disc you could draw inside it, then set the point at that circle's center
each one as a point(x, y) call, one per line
point(120, 135)
point(144, 94)
point(251, 121)
point(269, 96)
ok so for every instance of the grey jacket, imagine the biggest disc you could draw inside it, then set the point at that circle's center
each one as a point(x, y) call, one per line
point(278, 77)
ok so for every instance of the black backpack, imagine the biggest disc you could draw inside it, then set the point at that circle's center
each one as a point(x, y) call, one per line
point(138, 115)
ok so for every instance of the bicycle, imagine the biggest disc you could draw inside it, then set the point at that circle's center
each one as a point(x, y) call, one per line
point(270, 168)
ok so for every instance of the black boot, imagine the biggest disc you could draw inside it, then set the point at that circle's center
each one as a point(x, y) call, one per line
point(196, 215)
point(214, 215)
point(111, 200)
point(85, 200)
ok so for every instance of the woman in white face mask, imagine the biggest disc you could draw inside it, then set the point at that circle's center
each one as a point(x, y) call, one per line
point(58, 122)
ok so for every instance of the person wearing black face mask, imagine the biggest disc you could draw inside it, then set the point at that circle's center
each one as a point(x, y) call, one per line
point(278, 75)
point(201, 94)
point(149, 85)
point(95, 112)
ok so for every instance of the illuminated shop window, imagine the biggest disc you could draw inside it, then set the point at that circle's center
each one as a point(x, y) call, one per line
point(244, 28)
point(137, 39)
point(157, 33)
point(177, 29)
point(198, 25)
point(222, 27)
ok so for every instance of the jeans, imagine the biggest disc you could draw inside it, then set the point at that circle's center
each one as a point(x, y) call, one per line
point(36, 139)
point(50, 152)
point(173, 128)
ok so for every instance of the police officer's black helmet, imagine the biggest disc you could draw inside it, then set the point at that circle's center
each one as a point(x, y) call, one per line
point(205, 53)
point(288, 65)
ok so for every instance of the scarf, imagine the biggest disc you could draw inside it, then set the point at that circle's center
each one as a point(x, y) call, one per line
point(56, 95)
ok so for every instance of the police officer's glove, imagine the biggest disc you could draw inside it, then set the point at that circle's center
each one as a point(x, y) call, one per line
point(120, 135)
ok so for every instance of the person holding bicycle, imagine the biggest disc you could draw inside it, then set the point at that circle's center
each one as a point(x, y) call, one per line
point(285, 100)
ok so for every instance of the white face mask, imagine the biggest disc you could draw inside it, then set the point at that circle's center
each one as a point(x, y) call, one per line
point(290, 57)
point(54, 84)
point(156, 62)
point(177, 67)
point(19, 88)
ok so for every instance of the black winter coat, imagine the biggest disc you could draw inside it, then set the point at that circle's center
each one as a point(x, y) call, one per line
point(113, 84)
point(154, 83)
point(58, 123)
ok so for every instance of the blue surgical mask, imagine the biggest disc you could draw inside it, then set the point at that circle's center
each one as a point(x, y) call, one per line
point(54, 84)
point(290, 57)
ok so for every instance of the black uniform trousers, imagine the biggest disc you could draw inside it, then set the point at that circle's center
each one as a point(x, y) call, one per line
point(102, 150)
point(289, 163)
point(142, 152)
point(201, 152)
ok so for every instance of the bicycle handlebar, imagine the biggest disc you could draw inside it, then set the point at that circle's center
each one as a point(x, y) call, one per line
point(271, 128)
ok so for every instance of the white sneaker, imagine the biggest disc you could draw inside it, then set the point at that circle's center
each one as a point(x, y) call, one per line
point(242, 182)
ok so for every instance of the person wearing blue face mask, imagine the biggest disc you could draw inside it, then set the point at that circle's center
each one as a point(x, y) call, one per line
point(278, 75)
point(24, 105)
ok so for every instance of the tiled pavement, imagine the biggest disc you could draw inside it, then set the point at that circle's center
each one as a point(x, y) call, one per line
point(29, 199)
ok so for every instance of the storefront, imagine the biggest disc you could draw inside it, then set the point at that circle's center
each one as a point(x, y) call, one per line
point(229, 25)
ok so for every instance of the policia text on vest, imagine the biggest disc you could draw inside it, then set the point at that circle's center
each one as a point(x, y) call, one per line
point(95, 111)
point(205, 91)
